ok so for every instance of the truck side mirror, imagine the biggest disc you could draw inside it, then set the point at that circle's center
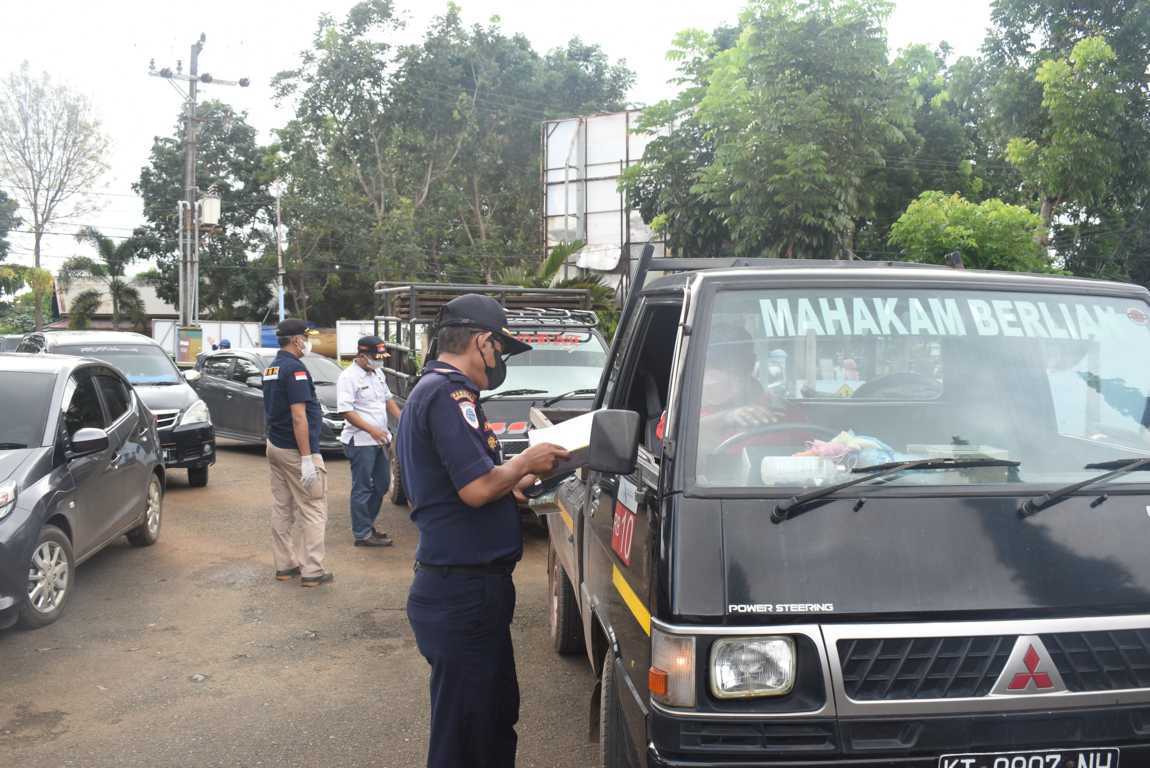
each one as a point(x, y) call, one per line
point(614, 443)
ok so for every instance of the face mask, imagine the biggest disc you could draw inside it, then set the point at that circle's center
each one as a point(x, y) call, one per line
point(375, 365)
point(495, 375)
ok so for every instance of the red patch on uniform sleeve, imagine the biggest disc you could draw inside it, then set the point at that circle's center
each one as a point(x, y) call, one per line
point(301, 375)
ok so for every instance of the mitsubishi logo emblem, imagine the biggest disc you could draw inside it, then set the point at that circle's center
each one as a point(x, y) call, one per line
point(1028, 671)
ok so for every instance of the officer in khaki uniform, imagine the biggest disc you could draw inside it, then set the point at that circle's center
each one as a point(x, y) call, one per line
point(298, 475)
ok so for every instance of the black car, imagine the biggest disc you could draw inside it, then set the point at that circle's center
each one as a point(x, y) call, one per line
point(231, 382)
point(184, 422)
point(79, 467)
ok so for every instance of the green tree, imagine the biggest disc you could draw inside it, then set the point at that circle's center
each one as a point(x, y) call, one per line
point(108, 267)
point(1079, 150)
point(798, 114)
point(421, 162)
point(8, 221)
point(233, 279)
point(989, 235)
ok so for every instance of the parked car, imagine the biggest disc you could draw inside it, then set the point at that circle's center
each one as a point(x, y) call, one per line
point(231, 382)
point(9, 341)
point(79, 467)
point(184, 422)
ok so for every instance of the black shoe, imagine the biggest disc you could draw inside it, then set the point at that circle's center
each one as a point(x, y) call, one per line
point(374, 540)
point(287, 575)
point(315, 581)
point(380, 535)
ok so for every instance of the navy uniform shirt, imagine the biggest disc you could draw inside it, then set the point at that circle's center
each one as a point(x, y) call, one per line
point(286, 383)
point(444, 443)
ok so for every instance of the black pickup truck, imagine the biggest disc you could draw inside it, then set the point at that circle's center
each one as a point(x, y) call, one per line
point(561, 370)
point(864, 514)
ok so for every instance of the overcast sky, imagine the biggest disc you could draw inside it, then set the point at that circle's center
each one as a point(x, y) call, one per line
point(102, 50)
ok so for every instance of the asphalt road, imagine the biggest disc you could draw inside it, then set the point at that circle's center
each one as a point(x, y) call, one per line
point(190, 654)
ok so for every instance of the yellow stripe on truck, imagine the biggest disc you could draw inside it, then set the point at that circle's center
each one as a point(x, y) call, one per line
point(638, 610)
point(563, 513)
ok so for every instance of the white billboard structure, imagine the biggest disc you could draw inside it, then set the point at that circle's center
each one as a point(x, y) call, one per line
point(583, 158)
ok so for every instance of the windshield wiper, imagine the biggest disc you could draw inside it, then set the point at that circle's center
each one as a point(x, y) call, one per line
point(875, 472)
point(513, 393)
point(1118, 468)
point(565, 395)
point(12, 446)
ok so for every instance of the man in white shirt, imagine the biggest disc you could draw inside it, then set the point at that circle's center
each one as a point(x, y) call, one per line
point(365, 402)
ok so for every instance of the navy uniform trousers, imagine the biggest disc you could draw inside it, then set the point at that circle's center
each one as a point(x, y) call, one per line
point(462, 624)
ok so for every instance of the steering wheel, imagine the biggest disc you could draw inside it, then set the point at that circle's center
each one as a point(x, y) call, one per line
point(904, 384)
point(766, 429)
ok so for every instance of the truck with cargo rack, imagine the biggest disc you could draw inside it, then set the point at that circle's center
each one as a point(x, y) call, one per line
point(561, 370)
point(864, 514)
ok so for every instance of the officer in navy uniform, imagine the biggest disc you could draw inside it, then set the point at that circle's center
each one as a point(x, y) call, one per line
point(298, 474)
point(463, 498)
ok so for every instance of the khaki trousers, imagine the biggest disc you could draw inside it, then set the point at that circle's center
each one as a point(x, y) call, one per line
point(299, 514)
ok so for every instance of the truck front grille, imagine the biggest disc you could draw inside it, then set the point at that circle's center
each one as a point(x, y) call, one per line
point(1101, 661)
point(922, 667)
point(166, 419)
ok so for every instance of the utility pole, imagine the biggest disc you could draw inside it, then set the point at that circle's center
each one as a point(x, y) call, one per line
point(188, 209)
point(280, 259)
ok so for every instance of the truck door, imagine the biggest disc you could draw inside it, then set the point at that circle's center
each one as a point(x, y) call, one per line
point(621, 542)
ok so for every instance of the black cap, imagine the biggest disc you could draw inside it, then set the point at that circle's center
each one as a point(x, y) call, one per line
point(372, 346)
point(293, 327)
point(482, 313)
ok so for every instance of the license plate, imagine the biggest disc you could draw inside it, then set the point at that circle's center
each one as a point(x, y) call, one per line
point(1101, 757)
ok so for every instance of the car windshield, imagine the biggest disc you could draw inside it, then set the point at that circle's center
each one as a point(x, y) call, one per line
point(27, 398)
point(141, 363)
point(799, 387)
point(558, 362)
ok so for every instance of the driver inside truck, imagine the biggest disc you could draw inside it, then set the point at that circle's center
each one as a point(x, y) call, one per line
point(733, 400)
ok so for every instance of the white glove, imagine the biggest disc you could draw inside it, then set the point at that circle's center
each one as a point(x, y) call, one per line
point(307, 471)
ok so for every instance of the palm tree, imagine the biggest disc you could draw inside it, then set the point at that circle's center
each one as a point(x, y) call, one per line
point(108, 268)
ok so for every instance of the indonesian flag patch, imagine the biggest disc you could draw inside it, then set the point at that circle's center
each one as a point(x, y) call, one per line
point(301, 375)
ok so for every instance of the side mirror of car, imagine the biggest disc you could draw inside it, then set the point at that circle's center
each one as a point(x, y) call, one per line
point(192, 376)
point(255, 381)
point(614, 443)
point(87, 441)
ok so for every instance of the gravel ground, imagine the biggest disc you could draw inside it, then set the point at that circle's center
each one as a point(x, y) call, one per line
point(190, 654)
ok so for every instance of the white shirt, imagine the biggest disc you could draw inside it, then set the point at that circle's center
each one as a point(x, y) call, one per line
point(366, 393)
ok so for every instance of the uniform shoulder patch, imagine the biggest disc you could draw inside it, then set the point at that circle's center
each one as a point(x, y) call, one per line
point(271, 374)
point(467, 408)
point(463, 394)
point(300, 375)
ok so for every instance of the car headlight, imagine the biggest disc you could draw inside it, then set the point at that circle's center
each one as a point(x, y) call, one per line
point(671, 679)
point(197, 413)
point(7, 499)
point(748, 667)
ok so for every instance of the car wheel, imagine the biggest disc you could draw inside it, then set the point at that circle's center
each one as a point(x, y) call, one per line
point(612, 739)
point(198, 477)
point(50, 574)
point(564, 621)
point(147, 533)
point(398, 496)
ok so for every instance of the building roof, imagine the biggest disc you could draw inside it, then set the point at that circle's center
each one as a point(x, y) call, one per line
point(154, 306)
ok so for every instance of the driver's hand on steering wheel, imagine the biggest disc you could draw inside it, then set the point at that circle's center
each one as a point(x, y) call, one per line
point(752, 416)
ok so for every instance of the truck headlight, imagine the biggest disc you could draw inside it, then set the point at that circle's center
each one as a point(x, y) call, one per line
point(748, 667)
point(7, 499)
point(671, 679)
point(197, 413)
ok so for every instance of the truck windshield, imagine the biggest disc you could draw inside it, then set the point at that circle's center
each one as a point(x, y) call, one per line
point(143, 364)
point(26, 398)
point(799, 387)
point(557, 363)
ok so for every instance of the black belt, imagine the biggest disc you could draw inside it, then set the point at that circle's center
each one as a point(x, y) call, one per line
point(503, 569)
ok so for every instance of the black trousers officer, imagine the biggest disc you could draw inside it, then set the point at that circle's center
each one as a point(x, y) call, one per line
point(462, 598)
point(462, 624)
